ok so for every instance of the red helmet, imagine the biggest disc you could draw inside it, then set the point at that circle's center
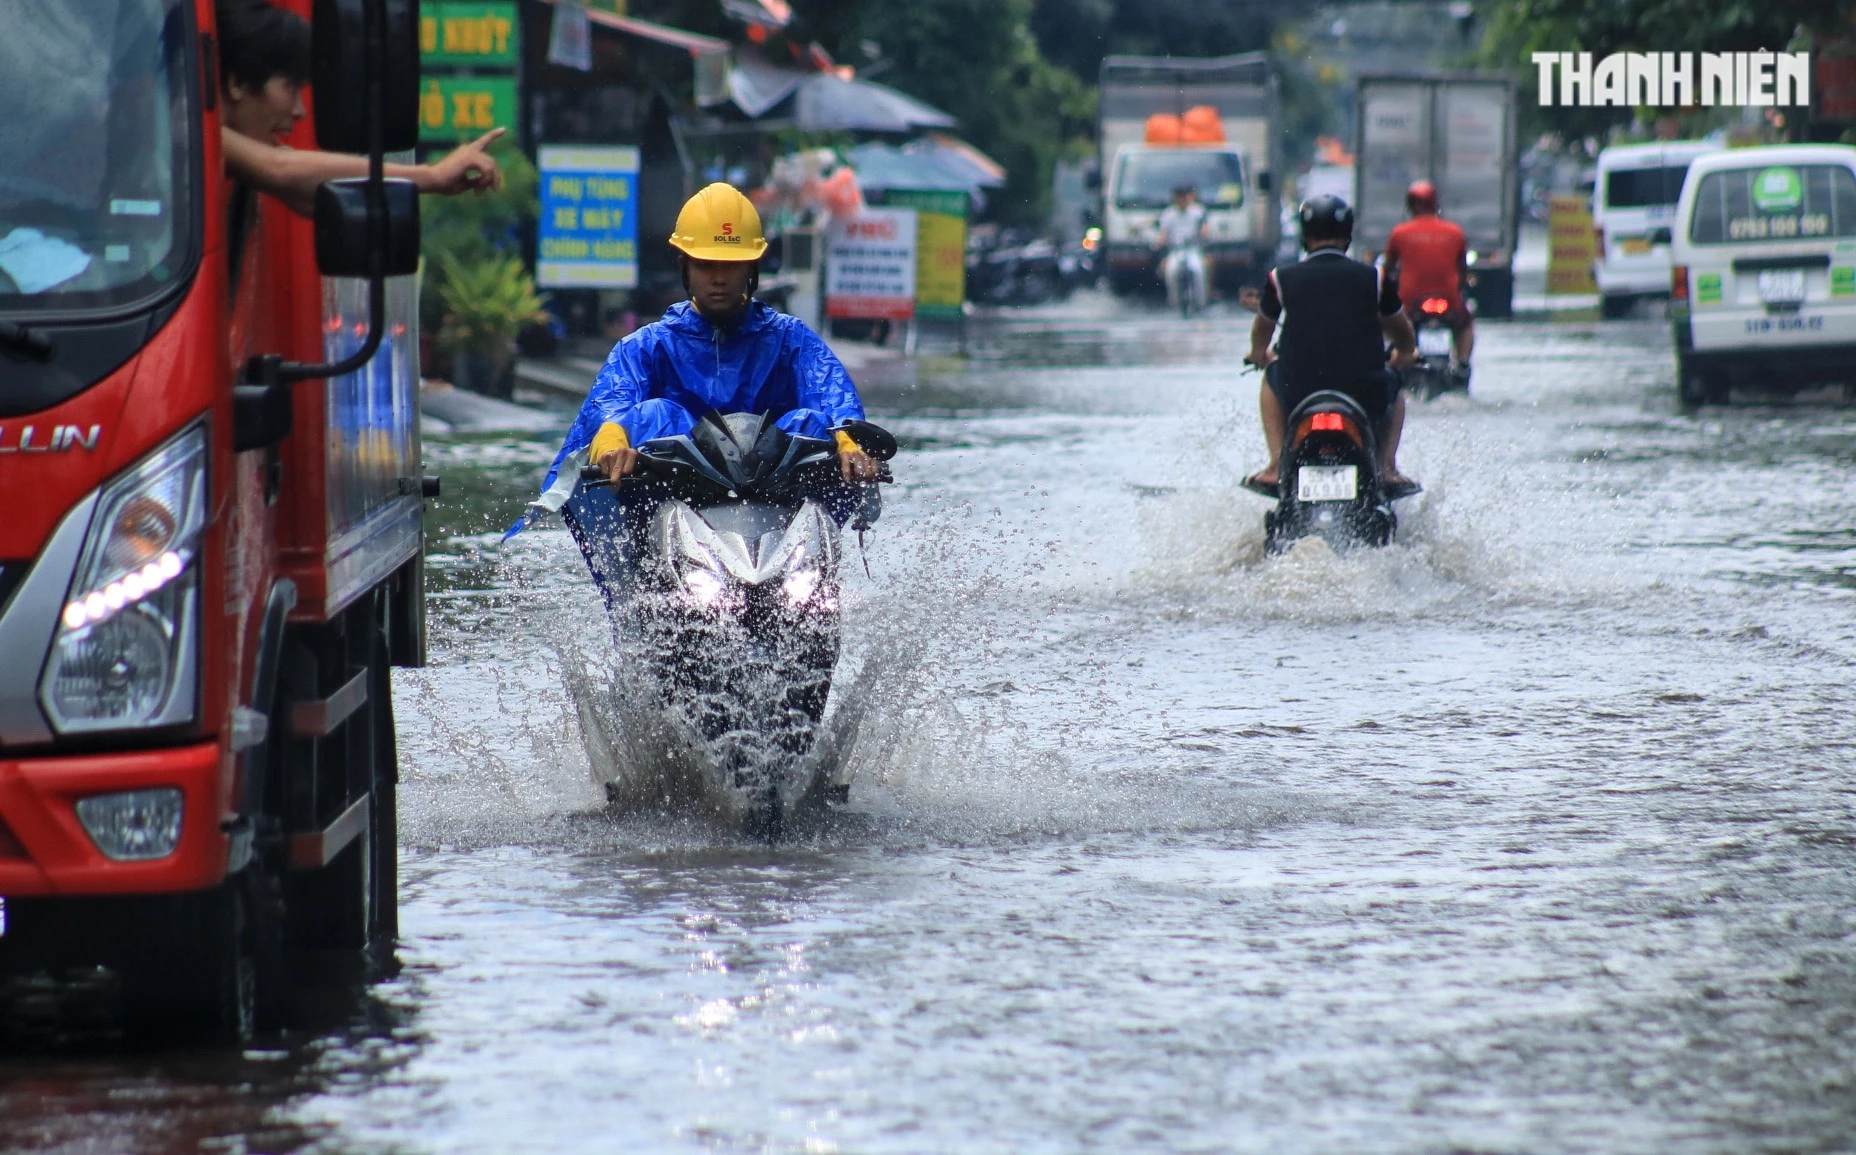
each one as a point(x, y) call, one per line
point(1421, 197)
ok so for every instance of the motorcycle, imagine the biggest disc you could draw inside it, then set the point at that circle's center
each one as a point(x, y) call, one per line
point(1330, 484)
point(1006, 268)
point(1433, 375)
point(718, 560)
point(1182, 270)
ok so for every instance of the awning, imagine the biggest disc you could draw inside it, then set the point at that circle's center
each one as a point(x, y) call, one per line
point(880, 166)
point(757, 86)
point(693, 43)
point(760, 13)
point(960, 158)
point(826, 101)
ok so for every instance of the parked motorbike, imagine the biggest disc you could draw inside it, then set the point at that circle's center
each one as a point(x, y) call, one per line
point(1433, 374)
point(718, 559)
point(1330, 483)
point(1006, 268)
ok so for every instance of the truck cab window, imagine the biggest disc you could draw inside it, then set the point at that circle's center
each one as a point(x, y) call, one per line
point(93, 204)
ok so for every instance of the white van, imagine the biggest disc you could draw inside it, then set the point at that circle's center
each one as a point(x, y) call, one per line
point(1763, 283)
point(1635, 192)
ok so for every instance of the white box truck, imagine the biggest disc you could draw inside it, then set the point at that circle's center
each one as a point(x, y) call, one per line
point(1236, 178)
point(1457, 131)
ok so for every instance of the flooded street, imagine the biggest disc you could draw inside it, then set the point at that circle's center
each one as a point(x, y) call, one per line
point(1533, 832)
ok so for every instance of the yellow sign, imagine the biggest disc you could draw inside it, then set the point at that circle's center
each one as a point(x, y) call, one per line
point(940, 262)
point(940, 249)
point(1571, 247)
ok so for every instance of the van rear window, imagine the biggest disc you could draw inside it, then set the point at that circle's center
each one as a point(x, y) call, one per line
point(1780, 202)
point(1636, 188)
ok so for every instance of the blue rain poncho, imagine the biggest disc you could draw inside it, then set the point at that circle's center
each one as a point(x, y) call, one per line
point(659, 380)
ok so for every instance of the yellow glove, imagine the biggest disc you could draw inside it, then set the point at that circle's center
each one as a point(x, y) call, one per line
point(611, 436)
point(845, 442)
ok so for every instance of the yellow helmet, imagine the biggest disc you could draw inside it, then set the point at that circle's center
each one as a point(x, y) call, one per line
point(719, 224)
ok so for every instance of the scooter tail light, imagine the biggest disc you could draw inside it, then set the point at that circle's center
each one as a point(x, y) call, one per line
point(1437, 306)
point(1328, 423)
point(1678, 283)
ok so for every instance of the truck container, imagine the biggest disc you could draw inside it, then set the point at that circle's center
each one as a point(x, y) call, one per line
point(1457, 131)
point(209, 452)
point(1236, 179)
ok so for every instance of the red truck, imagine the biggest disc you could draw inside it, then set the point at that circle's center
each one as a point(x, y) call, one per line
point(212, 545)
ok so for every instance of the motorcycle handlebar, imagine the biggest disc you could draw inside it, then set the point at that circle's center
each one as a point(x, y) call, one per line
point(594, 475)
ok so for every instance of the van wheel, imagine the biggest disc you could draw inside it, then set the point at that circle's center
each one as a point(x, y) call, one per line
point(1696, 388)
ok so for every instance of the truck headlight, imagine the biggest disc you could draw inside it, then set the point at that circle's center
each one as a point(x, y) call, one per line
point(123, 656)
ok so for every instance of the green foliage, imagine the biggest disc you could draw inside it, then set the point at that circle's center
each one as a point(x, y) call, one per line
point(486, 302)
point(977, 60)
point(473, 228)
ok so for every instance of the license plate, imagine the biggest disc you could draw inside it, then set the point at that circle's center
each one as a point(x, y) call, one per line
point(1634, 244)
point(1327, 483)
point(1434, 342)
point(1781, 285)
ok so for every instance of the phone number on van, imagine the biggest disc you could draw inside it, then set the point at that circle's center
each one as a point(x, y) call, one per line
point(1760, 228)
point(1784, 324)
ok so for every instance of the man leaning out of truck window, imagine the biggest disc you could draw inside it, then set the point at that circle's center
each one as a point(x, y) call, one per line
point(263, 69)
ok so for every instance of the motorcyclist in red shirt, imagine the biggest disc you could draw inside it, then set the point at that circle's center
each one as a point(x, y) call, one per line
point(1430, 259)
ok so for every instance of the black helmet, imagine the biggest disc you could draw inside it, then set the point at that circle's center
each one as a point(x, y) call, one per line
point(1326, 218)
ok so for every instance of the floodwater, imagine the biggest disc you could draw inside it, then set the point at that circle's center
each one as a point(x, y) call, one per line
point(1532, 833)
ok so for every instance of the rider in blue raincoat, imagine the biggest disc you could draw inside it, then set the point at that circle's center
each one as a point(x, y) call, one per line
point(721, 350)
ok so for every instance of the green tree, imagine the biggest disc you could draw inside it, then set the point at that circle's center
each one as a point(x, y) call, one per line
point(978, 61)
point(475, 228)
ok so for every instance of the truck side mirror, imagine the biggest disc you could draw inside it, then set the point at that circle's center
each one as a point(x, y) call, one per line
point(1263, 180)
point(1092, 180)
point(343, 240)
point(340, 74)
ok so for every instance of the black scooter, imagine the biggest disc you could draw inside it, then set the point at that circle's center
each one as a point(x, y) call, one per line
point(1330, 486)
point(1433, 376)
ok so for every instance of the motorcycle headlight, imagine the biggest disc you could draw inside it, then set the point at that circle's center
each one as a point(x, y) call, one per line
point(123, 656)
point(804, 581)
point(800, 585)
point(703, 586)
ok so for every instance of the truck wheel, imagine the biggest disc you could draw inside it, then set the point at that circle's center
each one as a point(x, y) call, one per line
point(1494, 293)
point(1615, 307)
point(206, 966)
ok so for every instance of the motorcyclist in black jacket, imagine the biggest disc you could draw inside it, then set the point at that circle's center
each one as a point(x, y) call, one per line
point(1336, 315)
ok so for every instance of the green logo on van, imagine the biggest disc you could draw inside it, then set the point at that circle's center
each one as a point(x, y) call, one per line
point(1778, 190)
